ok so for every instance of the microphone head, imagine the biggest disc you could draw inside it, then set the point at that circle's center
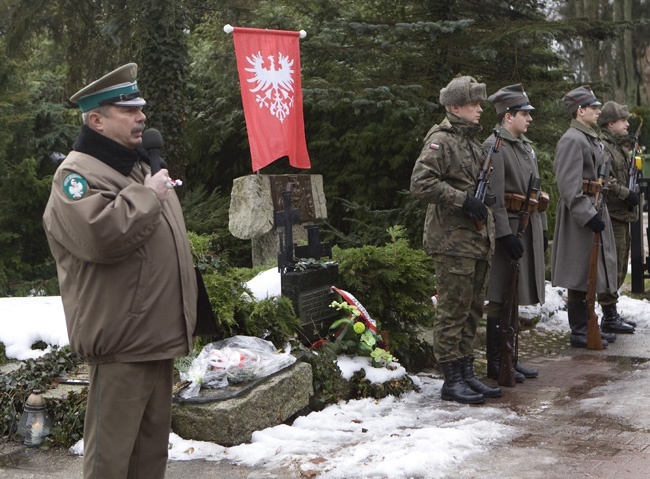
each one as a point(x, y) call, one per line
point(152, 139)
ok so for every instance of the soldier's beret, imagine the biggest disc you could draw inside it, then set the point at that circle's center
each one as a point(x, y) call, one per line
point(612, 111)
point(510, 98)
point(580, 97)
point(462, 90)
point(118, 87)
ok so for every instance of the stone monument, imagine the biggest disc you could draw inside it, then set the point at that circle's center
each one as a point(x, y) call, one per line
point(254, 201)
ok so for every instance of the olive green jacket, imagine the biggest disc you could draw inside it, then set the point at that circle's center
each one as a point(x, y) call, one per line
point(446, 170)
point(616, 152)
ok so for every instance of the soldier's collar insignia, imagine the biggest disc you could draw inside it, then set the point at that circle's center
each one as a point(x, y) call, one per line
point(75, 186)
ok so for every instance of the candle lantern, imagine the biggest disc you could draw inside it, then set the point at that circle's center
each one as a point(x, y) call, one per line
point(34, 424)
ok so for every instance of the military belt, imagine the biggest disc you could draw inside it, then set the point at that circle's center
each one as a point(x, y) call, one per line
point(590, 187)
point(514, 202)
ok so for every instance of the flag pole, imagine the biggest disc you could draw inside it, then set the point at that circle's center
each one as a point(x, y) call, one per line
point(229, 29)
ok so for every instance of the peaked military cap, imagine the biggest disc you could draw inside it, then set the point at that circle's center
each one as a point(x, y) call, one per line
point(612, 111)
point(118, 87)
point(510, 98)
point(580, 97)
point(462, 90)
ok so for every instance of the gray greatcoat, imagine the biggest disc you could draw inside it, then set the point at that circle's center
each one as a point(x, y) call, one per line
point(513, 164)
point(578, 155)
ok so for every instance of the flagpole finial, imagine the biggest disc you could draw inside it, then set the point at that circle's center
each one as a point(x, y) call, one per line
point(303, 34)
point(228, 28)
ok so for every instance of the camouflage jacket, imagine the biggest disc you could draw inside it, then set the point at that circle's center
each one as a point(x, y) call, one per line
point(446, 170)
point(616, 151)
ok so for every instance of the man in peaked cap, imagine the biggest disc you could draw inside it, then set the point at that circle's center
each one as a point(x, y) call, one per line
point(514, 162)
point(445, 177)
point(119, 87)
point(578, 156)
point(126, 276)
point(622, 204)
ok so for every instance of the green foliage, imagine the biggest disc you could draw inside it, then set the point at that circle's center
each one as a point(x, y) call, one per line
point(329, 385)
point(549, 185)
point(362, 388)
point(273, 317)
point(24, 253)
point(41, 374)
point(235, 309)
point(208, 214)
point(67, 415)
point(395, 283)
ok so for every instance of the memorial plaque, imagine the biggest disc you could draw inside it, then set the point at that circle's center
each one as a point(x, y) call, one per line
point(311, 295)
point(301, 194)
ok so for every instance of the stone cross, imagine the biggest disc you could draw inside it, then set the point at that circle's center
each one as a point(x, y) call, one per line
point(286, 219)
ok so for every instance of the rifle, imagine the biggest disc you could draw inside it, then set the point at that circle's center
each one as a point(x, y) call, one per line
point(594, 340)
point(633, 170)
point(510, 306)
point(484, 175)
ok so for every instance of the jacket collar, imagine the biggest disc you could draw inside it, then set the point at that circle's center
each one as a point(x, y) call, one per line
point(620, 140)
point(506, 135)
point(462, 126)
point(583, 128)
point(118, 157)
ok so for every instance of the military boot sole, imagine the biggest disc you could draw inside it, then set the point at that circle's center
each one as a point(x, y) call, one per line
point(478, 399)
point(618, 328)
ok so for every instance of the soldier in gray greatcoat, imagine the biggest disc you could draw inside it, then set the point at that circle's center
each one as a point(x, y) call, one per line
point(514, 162)
point(622, 204)
point(445, 177)
point(578, 155)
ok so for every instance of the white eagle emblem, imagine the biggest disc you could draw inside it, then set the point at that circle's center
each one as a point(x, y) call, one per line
point(275, 85)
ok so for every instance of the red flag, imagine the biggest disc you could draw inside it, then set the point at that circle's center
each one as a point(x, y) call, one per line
point(268, 62)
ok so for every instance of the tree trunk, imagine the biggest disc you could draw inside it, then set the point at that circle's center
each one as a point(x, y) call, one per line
point(631, 83)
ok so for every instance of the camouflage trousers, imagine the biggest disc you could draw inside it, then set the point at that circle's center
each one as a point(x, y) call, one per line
point(623, 240)
point(462, 285)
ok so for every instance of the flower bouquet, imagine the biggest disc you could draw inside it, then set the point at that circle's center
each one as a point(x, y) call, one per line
point(357, 333)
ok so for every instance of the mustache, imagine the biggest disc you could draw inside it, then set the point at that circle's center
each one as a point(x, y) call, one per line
point(139, 128)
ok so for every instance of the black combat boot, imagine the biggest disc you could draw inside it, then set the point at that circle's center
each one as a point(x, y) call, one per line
point(577, 312)
point(493, 350)
point(527, 372)
point(612, 321)
point(629, 321)
point(467, 370)
point(455, 388)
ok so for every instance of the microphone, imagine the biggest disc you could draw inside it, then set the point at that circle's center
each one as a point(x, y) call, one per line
point(152, 141)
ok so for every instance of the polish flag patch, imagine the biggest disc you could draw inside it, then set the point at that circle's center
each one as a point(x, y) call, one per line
point(434, 146)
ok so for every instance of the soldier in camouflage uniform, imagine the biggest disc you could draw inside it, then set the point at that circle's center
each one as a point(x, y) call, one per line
point(621, 203)
point(445, 177)
point(514, 163)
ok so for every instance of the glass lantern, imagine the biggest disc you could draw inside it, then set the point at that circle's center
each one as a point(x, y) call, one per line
point(34, 424)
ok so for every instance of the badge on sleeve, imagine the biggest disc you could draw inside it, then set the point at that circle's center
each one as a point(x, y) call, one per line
point(434, 146)
point(75, 186)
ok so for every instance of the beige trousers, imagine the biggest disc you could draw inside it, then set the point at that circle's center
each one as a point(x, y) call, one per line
point(128, 418)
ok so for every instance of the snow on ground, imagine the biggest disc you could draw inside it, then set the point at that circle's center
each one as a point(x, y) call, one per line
point(417, 434)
